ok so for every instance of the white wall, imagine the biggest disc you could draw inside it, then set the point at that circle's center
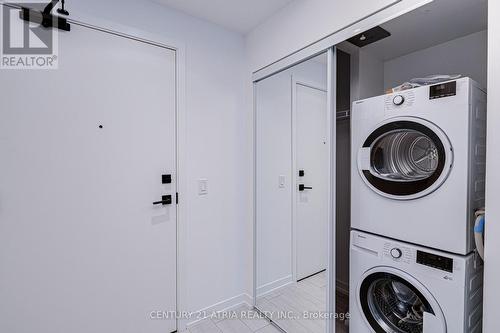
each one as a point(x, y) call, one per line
point(219, 146)
point(367, 72)
point(466, 55)
point(492, 246)
point(371, 73)
point(274, 204)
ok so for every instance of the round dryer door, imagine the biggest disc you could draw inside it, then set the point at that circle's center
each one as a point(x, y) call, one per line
point(392, 303)
point(405, 158)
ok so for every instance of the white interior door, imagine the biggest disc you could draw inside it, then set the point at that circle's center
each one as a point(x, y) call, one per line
point(311, 154)
point(82, 247)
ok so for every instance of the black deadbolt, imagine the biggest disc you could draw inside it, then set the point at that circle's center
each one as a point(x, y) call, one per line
point(166, 179)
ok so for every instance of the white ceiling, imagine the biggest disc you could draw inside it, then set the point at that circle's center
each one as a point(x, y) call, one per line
point(433, 24)
point(237, 15)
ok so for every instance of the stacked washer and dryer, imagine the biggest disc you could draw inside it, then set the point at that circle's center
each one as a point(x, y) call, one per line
point(418, 177)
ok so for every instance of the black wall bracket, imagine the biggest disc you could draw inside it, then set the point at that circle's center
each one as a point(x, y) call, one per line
point(45, 17)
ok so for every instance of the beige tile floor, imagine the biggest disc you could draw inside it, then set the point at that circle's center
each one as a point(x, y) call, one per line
point(307, 295)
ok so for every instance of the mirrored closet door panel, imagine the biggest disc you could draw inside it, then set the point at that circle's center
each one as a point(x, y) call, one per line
point(293, 152)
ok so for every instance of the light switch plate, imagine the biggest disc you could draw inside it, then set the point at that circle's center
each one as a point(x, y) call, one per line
point(202, 186)
point(282, 181)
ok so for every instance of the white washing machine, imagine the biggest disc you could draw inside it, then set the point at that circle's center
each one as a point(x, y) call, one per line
point(418, 160)
point(396, 287)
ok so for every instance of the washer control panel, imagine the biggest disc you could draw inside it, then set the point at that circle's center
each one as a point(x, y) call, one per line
point(399, 253)
point(435, 261)
point(407, 255)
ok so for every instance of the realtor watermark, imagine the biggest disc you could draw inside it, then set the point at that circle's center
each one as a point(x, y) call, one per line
point(247, 314)
point(26, 45)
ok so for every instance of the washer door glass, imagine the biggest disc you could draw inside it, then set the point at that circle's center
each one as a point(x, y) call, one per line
point(392, 305)
point(406, 158)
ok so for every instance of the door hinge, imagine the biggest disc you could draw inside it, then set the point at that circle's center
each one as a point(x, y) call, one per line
point(176, 197)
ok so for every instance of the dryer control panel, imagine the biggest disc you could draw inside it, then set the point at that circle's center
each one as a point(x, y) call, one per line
point(443, 90)
point(399, 101)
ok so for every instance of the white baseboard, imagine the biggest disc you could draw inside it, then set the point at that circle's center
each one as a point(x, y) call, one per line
point(226, 305)
point(275, 285)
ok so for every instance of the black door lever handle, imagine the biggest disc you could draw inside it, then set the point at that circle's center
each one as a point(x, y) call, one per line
point(165, 200)
point(302, 187)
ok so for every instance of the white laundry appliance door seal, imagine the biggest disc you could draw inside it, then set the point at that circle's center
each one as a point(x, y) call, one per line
point(398, 145)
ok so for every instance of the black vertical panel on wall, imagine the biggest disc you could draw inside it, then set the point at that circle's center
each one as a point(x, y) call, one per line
point(343, 81)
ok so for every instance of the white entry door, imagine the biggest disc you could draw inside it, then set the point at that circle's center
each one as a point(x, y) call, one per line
point(83, 150)
point(311, 172)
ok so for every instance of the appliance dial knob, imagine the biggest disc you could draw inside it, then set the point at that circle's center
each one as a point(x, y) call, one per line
point(398, 100)
point(396, 253)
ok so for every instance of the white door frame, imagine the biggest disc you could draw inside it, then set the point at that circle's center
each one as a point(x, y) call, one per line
point(180, 68)
point(297, 80)
point(331, 120)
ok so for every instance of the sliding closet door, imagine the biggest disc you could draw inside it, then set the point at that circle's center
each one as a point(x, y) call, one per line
point(84, 148)
point(294, 210)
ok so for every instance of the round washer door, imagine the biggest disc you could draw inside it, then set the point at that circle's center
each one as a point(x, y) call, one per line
point(405, 158)
point(392, 301)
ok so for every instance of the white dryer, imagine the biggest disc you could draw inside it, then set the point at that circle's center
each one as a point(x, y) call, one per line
point(396, 287)
point(418, 164)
